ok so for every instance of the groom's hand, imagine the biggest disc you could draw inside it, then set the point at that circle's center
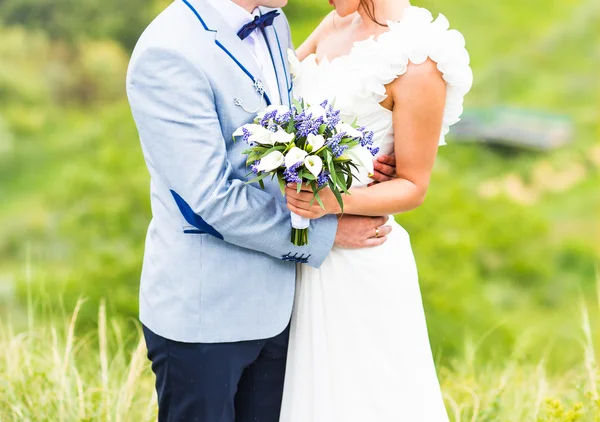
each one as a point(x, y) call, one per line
point(385, 168)
point(355, 232)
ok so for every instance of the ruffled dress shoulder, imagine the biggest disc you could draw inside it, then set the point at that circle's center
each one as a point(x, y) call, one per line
point(357, 81)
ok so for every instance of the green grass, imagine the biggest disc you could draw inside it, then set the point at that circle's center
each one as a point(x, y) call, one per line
point(49, 372)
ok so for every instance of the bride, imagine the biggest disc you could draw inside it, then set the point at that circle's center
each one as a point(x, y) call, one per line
point(359, 349)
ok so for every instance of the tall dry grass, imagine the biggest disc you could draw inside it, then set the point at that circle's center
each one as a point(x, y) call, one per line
point(49, 372)
point(522, 391)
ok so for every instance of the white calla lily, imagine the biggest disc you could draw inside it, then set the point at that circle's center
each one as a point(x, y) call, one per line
point(282, 137)
point(294, 156)
point(261, 136)
point(315, 141)
point(314, 164)
point(317, 111)
point(252, 128)
point(350, 131)
point(362, 157)
point(258, 134)
point(271, 162)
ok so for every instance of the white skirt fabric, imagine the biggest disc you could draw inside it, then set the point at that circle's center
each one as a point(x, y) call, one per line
point(359, 349)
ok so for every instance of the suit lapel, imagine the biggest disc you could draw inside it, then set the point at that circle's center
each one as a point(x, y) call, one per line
point(228, 41)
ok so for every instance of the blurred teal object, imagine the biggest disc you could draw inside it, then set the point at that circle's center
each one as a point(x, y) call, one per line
point(515, 127)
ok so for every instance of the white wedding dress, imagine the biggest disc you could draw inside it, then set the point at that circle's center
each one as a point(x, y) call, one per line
point(359, 349)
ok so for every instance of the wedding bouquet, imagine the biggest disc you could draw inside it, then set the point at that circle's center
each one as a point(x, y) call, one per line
point(307, 145)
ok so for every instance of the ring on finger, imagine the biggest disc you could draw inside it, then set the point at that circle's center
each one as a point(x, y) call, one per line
point(376, 232)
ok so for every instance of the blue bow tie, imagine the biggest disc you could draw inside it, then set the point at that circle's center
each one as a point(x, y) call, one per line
point(259, 22)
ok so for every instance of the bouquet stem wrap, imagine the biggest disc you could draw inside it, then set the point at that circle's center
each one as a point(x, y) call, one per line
point(300, 230)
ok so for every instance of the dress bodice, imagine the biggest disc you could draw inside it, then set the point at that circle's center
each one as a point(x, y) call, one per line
point(356, 81)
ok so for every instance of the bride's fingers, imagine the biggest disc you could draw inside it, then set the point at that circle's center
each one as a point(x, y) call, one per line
point(298, 203)
point(305, 187)
point(302, 212)
point(300, 196)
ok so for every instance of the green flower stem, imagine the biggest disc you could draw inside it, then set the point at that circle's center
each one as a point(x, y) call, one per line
point(300, 237)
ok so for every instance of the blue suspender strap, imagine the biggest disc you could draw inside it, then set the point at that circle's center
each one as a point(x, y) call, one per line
point(287, 79)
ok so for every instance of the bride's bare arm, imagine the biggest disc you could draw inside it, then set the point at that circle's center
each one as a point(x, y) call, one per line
point(309, 46)
point(419, 99)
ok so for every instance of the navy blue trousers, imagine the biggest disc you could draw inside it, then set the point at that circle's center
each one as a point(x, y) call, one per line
point(221, 382)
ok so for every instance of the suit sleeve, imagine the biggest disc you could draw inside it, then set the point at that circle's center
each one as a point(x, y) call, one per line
point(174, 108)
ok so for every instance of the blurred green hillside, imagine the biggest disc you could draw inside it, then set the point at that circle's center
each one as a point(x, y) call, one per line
point(507, 241)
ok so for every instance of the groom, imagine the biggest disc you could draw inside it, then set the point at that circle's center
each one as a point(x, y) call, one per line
point(218, 278)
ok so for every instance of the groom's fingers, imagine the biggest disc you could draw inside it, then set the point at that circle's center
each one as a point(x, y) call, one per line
point(385, 168)
point(379, 221)
point(383, 172)
point(387, 159)
point(383, 231)
point(375, 241)
point(377, 235)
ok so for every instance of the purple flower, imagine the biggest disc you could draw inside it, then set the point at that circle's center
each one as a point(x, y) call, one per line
point(284, 118)
point(246, 134)
point(266, 120)
point(339, 150)
point(335, 139)
point(367, 139)
point(323, 178)
point(254, 167)
point(333, 117)
point(374, 151)
point(333, 143)
point(291, 173)
point(305, 125)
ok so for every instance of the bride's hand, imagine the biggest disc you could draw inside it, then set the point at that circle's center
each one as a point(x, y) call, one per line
point(300, 202)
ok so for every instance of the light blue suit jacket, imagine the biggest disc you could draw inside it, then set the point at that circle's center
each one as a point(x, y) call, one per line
point(219, 265)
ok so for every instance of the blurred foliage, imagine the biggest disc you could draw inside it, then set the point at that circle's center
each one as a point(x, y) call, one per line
point(36, 72)
point(74, 202)
point(69, 20)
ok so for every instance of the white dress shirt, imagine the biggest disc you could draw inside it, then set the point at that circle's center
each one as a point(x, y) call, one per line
point(236, 17)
